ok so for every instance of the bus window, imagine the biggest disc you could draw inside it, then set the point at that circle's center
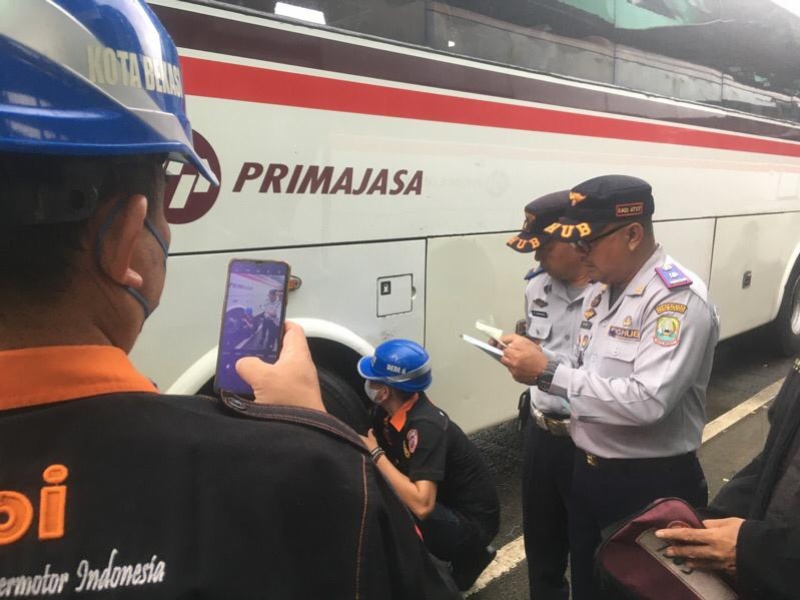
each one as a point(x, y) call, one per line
point(676, 48)
point(397, 20)
point(534, 45)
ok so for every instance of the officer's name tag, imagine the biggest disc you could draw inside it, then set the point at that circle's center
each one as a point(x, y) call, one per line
point(706, 585)
point(623, 333)
point(539, 313)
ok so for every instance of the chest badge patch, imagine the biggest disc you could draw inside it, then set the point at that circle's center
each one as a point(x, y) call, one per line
point(589, 314)
point(667, 331)
point(540, 303)
point(628, 321)
point(596, 300)
point(584, 341)
point(412, 439)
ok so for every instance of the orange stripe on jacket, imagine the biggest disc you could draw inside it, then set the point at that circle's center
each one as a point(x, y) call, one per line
point(34, 376)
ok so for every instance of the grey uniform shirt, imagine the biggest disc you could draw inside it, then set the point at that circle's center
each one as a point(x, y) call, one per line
point(640, 389)
point(554, 320)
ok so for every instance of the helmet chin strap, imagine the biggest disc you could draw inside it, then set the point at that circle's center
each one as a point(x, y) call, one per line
point(153, 231)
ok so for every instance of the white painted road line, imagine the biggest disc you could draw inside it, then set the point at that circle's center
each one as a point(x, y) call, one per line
point(508, 557)
point(513, 553)
point(740, 411)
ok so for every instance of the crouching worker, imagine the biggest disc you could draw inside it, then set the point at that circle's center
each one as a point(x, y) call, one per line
point(435, 469)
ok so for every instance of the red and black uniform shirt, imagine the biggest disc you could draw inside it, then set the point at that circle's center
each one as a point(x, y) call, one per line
point(425, 445)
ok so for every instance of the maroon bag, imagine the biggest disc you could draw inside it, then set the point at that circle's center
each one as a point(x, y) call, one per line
point(631, 563)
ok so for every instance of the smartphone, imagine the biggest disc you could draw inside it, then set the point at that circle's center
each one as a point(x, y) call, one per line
point(252, 319)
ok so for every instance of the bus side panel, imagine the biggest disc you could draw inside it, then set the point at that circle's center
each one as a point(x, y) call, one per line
point(759, 244)
point(339, 284)
point(478, 277)
point(471, 278)
point(311, 177)
point(690, 243)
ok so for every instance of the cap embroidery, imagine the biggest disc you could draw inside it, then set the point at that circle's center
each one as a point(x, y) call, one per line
point(576, 197)
point(633, 209)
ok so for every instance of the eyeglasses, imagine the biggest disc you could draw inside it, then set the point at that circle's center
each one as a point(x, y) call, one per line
point(585, 246)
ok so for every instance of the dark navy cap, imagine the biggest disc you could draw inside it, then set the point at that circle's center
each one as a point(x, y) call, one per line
point(539, 214)
point(597, 202)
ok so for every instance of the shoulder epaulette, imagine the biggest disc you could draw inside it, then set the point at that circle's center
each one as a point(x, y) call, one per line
point(534, 273)
point(673, 277)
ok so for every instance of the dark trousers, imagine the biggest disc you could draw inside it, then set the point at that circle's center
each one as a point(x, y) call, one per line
point(450, 537)
point(611, 490)
point(546, 481)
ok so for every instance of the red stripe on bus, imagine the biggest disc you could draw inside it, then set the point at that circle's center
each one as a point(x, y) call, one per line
point(216, 79)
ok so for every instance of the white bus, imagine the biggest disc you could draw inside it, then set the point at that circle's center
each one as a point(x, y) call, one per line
point(386, 149)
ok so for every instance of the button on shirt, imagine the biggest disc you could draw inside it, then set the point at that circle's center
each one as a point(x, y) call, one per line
point(645, 361)
point(553, 319)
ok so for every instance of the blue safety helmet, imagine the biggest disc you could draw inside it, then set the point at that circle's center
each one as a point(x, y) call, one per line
point(91, 78)
point(401, 364)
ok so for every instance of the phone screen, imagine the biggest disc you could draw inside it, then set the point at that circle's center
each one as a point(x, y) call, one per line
point(252, 318)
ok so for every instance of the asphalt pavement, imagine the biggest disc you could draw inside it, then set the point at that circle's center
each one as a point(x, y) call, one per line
point(743, 367)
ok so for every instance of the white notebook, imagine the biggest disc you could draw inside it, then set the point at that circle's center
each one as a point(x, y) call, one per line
point(495, 353)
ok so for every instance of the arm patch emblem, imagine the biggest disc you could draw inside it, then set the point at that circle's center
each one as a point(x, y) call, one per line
point(671, 307)
point(412, 437)
point(668, 330)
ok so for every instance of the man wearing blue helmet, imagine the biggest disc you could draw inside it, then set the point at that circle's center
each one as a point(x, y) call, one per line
point(107, 486)
point(430, 462)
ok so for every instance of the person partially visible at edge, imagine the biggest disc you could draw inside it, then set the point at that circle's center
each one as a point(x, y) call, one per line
point(108, 486)
point(553, 314)
point(435, 469)
point(754, 536)
point(637, 390)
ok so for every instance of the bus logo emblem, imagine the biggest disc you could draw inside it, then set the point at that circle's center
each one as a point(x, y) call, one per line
point(188, 196)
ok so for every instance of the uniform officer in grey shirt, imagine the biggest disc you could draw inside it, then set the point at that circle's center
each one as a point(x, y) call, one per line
point(637, 393)
point(553, 307)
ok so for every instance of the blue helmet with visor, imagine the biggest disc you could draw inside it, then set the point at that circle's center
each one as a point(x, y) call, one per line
point(91, 78)
point(401, 364)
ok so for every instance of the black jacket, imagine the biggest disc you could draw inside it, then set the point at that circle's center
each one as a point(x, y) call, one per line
point(768, 551)
point(181, 497)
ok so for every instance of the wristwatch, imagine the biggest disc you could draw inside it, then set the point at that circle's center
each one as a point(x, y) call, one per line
point(545, 379)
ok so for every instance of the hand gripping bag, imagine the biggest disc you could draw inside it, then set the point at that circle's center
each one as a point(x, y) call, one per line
point(631, 562)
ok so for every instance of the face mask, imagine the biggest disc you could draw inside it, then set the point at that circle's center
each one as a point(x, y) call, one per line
point(153, 231)
point(371, 392)
point(165, 249)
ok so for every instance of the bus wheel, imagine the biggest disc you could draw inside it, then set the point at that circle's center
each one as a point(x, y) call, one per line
point(787, 323)
point(342, 401)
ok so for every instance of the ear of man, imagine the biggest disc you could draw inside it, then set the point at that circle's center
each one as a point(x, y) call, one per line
point(119, 242)
point(636, 235)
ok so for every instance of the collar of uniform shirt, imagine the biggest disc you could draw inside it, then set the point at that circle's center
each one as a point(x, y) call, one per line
point(44, 375)
point(646, 273)
point(398, 419)
point(560, 288)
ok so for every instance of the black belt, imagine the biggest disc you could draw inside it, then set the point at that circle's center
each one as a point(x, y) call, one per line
point(555, 424)
point(637, 464)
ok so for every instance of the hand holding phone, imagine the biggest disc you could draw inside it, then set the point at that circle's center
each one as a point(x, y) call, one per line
point(252, 319)
point(292, 380)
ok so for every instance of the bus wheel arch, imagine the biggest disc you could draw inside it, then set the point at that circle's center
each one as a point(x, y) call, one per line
point(786, 325)
point(335, 350)
point(340, 384)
